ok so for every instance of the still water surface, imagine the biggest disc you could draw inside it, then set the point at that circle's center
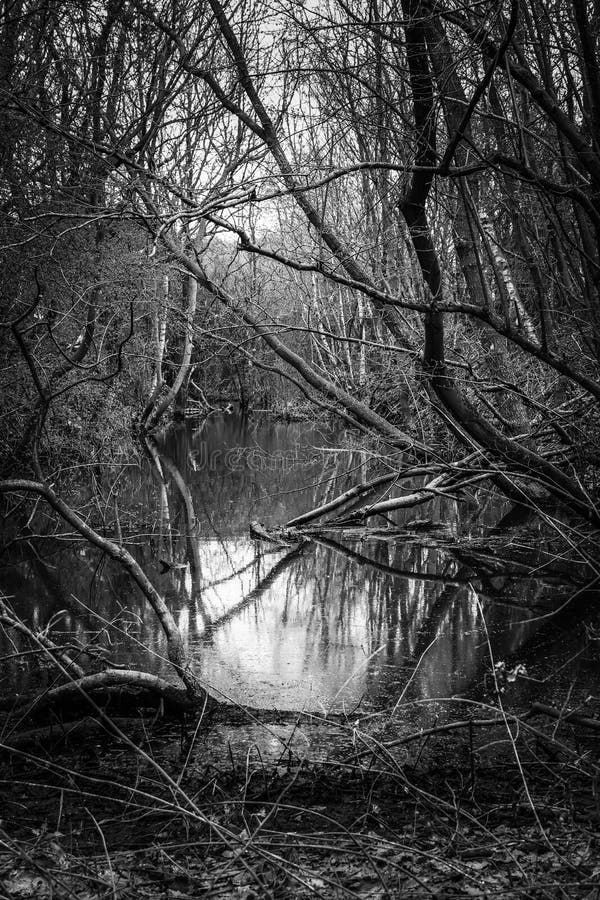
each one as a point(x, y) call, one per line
point(344, 622)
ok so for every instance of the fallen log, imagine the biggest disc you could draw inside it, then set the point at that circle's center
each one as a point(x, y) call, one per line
point(111, 688)
point(354, 492)
point(572, 716)
point(283, 537)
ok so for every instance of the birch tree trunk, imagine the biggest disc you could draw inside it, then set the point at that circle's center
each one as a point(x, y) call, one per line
point(168, 399)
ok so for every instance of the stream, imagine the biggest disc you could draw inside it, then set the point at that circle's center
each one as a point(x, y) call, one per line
point(345, 622)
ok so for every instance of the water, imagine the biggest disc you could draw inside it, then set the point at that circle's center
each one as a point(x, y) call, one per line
point(345, 622)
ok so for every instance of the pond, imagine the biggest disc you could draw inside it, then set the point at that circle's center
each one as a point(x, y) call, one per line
point(345, 622)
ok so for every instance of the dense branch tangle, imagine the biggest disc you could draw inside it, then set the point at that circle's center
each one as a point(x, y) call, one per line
point(356, 102)
point(439, 91)
point(335, 178)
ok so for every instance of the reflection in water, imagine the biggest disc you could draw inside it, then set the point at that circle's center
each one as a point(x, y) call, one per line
point(330, 625)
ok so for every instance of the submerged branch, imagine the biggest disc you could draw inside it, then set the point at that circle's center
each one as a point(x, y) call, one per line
point(176, 649)
point(45, 644)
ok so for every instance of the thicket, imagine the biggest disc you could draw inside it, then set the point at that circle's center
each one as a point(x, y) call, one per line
point(388, 213)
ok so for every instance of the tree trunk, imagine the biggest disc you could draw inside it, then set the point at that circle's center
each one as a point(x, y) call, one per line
point(168, 399)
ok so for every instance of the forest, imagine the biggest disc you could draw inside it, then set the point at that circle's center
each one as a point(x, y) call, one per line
point(300, 304)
